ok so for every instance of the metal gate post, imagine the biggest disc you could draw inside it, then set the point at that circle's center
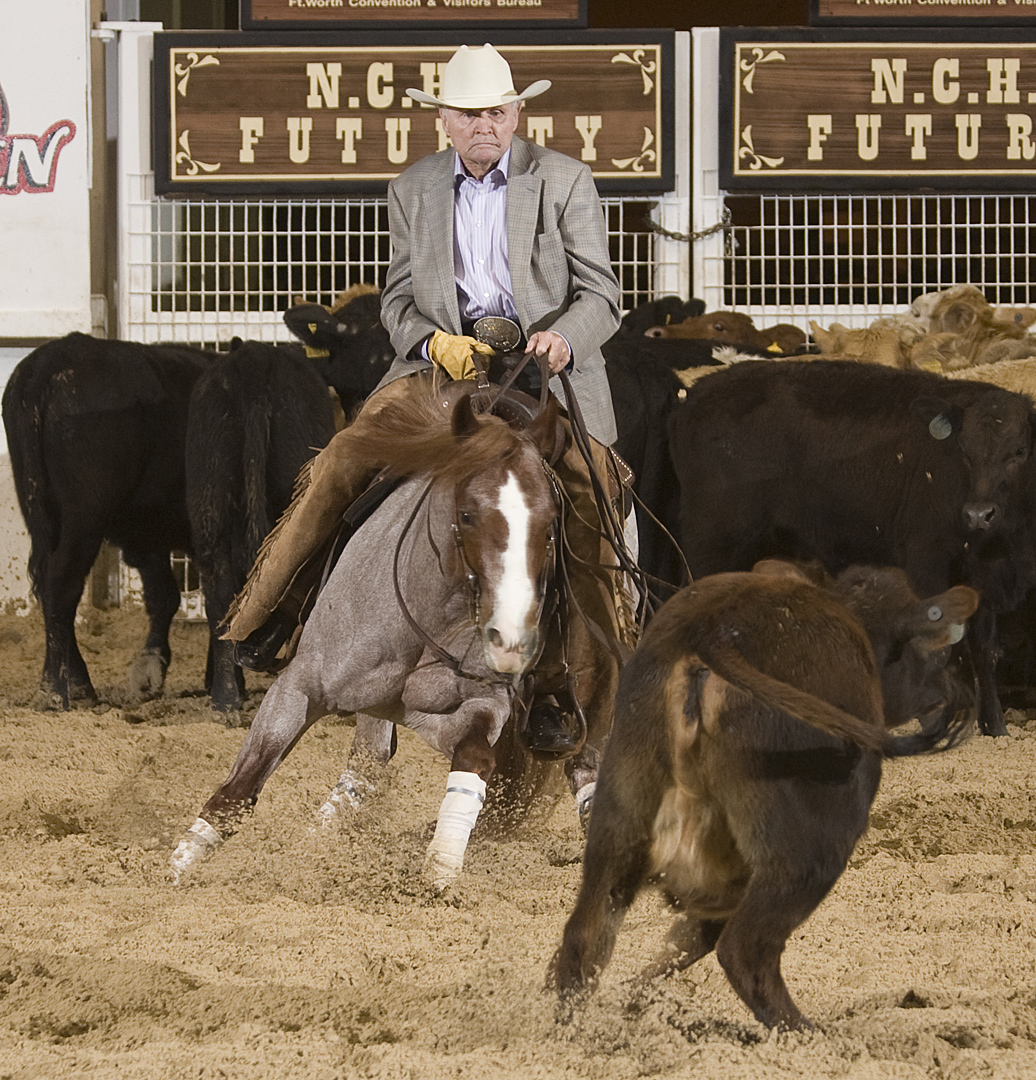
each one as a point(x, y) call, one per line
point(673, 211)
point(707, 200)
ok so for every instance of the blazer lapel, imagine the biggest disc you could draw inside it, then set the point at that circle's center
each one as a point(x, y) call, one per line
point(524, 190)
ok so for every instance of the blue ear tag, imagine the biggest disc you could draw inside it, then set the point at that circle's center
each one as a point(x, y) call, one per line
point(940, 427)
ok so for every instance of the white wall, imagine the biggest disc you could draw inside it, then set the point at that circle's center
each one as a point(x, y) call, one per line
point(14, 540)
point(44, 168)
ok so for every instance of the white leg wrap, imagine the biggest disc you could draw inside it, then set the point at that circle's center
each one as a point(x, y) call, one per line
point(199, 843)
point(348, 794)
point(584, 801)
point(465, 794)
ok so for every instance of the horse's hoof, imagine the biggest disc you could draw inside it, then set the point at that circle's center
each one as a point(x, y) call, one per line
point(349, 793)
point(199, 844)
point(147, 675)
point(441, 870)
point(584, 804)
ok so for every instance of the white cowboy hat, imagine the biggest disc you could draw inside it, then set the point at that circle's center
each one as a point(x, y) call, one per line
point(477, 79)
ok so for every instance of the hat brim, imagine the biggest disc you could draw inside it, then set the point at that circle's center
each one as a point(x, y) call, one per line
point(475, 101)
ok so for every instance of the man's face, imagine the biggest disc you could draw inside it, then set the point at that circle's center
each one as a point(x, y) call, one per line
point(481, 138)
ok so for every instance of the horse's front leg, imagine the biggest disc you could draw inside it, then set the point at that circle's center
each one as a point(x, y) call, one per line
point(471, 766)
point(284, 716)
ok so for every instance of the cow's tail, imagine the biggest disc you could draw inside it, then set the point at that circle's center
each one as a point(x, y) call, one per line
point(255, 450)
point(24, 406)
point(730, 665)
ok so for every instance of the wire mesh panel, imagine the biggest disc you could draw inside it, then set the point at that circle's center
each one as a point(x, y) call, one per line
point(851, 258)
point(207, 270)
point(204, 271)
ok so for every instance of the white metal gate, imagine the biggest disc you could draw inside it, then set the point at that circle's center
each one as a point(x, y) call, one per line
point(845, 258)
point(202, 271)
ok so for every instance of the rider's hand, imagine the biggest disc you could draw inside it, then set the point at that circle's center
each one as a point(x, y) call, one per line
point(452, 352)
point(553, 346)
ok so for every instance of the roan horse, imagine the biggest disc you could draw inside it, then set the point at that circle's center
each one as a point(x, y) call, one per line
point(434, 613)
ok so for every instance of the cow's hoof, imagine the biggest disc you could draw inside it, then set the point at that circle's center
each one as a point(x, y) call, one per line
point(147, 675)
point(348, 794)
point(584, 804)
point(199, 844)
point(48, 701)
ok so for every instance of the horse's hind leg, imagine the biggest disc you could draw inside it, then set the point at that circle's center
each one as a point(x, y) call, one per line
point(374, 744)
point(284, 716)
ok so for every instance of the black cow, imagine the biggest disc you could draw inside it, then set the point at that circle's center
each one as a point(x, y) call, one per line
point(860, 463)
point(256, 416)
point(348, 345)
point(96, 434)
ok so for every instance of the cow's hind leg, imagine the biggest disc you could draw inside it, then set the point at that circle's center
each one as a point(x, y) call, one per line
point(688, 940)
point(284, 716)
point(374, 745)
point(161, 601)
point(65, 678)
point(751, 945)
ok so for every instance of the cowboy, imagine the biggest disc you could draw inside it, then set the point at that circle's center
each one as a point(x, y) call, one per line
point(496, 226)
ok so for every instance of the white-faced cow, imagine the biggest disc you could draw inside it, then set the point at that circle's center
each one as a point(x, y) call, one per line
point(746, 751)
point(858, 463)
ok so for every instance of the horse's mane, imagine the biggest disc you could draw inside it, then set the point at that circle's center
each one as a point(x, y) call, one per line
point(415, 436)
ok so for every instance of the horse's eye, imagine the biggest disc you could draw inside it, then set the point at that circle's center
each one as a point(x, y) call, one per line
point(465, 518)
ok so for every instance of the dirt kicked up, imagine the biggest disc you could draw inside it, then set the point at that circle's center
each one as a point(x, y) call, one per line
point(297, 954)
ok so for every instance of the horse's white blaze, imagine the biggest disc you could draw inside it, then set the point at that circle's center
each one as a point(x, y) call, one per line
point(516, 593)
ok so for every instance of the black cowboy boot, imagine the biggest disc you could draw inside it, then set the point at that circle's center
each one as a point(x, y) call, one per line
point(547, 734)
point(258, 651)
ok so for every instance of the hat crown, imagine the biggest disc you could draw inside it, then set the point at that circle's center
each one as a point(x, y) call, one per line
point(475, 73)
point(477, 79)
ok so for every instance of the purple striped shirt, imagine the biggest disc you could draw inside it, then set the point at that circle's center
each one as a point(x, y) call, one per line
point(480, 242)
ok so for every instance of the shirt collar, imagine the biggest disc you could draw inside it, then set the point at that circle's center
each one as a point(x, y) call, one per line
point(497, 175)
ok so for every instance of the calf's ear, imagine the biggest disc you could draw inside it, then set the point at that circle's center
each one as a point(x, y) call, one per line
point(941, 417)
point(312, 324)
point(939, 621)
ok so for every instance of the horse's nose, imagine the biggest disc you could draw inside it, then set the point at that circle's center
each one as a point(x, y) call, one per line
point(980, 516)
point(510, 657)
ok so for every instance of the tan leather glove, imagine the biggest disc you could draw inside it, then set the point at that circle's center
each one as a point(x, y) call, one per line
point(452, 352)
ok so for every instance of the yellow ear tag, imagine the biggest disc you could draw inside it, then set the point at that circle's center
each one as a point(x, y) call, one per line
point(316, 354)
point(774, 347)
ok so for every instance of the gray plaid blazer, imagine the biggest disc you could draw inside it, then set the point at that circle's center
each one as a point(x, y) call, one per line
point(557, 248)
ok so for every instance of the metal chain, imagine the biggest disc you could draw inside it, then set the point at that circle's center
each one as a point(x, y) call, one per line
point(720, 226)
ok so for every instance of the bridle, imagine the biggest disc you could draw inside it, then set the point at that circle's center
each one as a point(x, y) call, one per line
point(473, 586)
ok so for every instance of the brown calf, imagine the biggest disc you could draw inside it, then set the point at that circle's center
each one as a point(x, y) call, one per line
point(735, 328)
point(746, 752)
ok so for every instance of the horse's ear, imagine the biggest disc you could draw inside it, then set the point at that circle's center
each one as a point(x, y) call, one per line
point(464, 422)
point(544, 428)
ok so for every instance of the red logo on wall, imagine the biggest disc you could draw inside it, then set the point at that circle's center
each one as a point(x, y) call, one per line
point(30, 162)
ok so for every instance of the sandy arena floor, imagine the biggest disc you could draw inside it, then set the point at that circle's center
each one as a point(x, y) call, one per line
point(297, 955)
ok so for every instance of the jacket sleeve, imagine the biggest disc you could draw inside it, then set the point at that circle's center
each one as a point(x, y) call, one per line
point(400, 315)
point(593, 313)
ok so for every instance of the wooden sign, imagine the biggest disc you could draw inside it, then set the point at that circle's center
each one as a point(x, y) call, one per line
point(409, 14)
point(809, 110)
point(242, 113)
point(922, 12)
